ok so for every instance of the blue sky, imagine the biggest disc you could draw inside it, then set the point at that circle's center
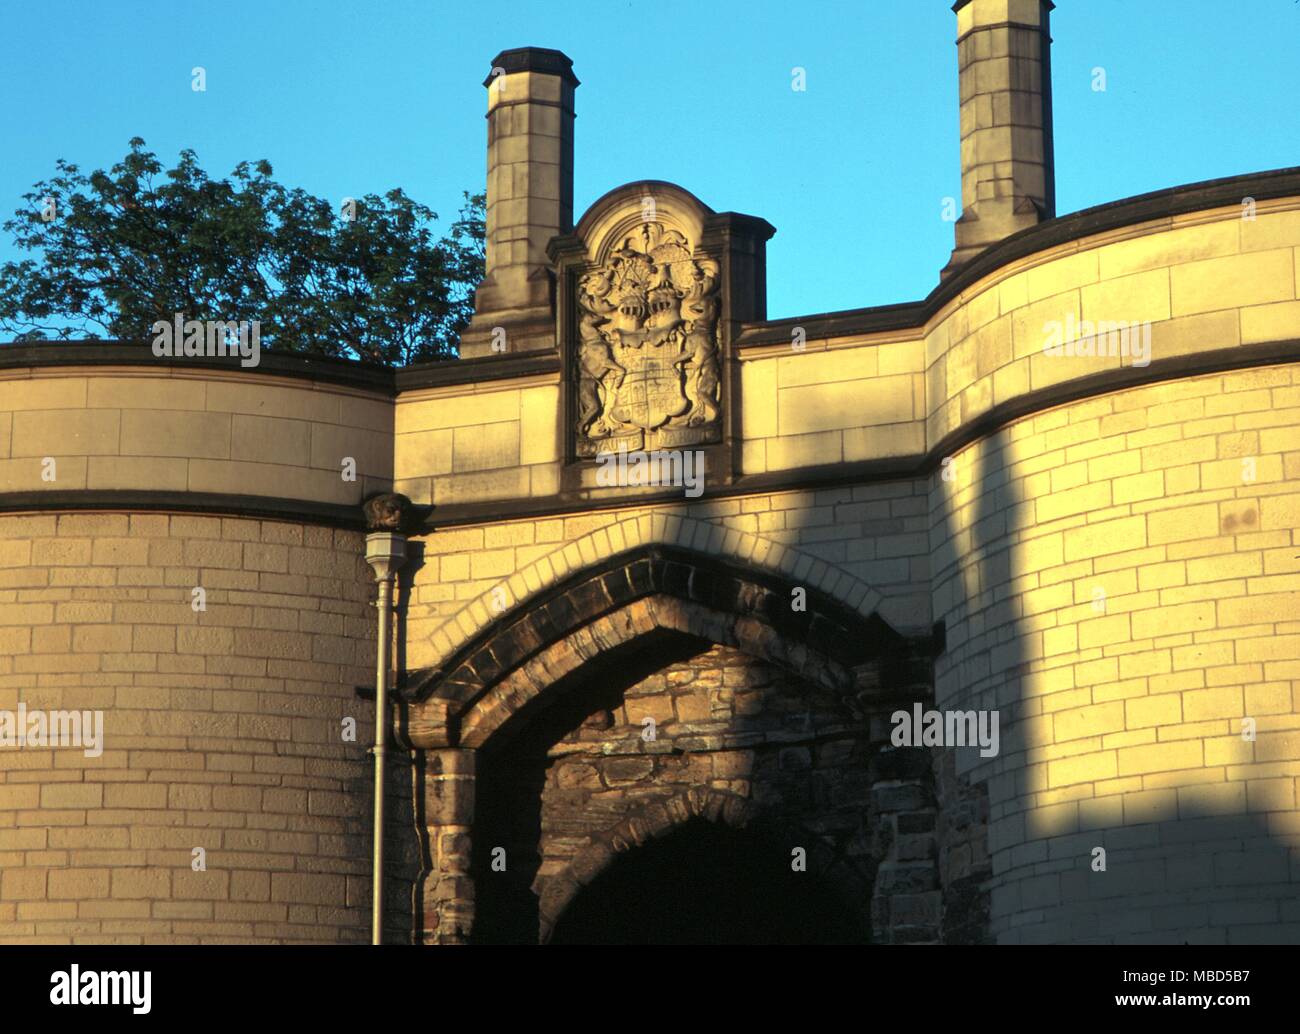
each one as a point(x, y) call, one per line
point(352, 98)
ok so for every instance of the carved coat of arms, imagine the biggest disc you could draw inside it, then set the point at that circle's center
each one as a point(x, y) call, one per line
point(647, 368)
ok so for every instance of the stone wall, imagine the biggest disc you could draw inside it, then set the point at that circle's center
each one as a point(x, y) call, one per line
point(1103, 552)
point(875, 535)
point(1209, 283)
point(1120, 578)
point(453, 445)
point(222, 730)
point(630, 756)
point(197, 431)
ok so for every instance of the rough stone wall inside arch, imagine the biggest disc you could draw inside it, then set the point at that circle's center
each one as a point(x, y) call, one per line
point(613, 764)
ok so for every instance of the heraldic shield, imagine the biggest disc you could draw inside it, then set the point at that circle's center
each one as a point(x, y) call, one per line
point(651, 392)
point(647, 355)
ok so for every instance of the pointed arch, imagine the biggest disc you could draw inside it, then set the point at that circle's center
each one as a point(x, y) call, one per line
point(622, 540)
point(525, 668)
point(639, 592)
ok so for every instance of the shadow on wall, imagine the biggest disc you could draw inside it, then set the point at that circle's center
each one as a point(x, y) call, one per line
point(939, 862)
point(822, 737)
point(403, 854)
point(1125, 805)
point(406, 579)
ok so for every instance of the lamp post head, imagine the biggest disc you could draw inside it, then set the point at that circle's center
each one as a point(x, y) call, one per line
point(385, 553)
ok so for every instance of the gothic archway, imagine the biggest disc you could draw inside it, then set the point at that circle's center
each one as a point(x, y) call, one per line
point(638, 685)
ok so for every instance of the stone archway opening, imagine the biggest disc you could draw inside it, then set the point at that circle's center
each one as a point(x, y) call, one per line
point(636, 699)
point(674, 736)
point(530, 764)
point(708, 883)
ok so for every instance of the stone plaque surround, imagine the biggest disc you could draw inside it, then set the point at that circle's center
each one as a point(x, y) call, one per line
point(652, 285)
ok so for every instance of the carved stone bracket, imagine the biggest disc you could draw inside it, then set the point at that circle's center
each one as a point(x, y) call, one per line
point(391, 511)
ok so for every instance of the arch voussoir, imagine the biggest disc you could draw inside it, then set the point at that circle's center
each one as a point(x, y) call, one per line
point(621, 543)
point(649, 590)
point(483, 717)
point(608, 622)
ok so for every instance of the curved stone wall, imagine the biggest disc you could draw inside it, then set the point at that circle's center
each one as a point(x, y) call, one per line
point(1213, 287)
point(221, 801)
point(214, 655)
point(182, 431)
point(1120, 579)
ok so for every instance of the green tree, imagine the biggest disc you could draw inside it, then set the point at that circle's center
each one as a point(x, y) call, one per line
point(122, 249)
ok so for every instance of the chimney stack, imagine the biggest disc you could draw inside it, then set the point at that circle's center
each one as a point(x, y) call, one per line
point(1007, 178)
point(529, 199)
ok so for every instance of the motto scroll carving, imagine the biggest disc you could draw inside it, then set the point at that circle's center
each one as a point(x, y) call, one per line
point(647, 365)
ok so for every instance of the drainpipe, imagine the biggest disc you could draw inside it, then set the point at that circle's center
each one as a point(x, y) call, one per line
point(385, 553)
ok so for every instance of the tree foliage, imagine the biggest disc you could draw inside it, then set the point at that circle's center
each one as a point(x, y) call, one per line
point(119, 250)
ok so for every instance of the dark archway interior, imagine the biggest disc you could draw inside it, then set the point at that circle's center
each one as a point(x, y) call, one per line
point(706, 883)
point(513, 773)
point(703, 883)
